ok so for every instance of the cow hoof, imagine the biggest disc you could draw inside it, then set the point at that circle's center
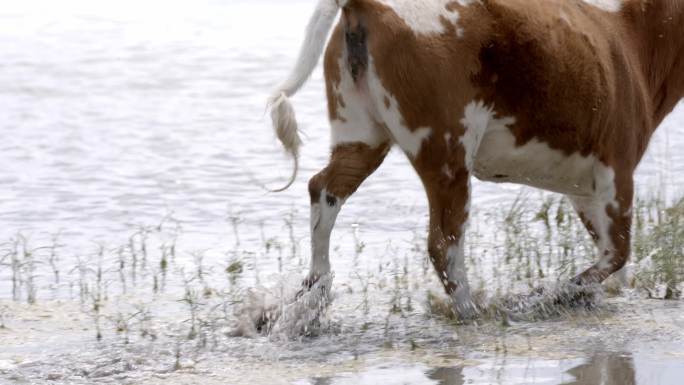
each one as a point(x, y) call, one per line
point(581, 293)
point(580, 281)
point(307, 284)
point(465, 311)
point(613, 285)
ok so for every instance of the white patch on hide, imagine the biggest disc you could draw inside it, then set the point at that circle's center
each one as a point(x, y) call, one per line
point(606, 5)
point(354, 124)
point(605, 184)
point(606, 194)
point(593, 208)
point(425, 17)
point(594, 211)
point(410, 141)
point(323, 218)
point(456, 273)
point(476, 119)
point(535, 164)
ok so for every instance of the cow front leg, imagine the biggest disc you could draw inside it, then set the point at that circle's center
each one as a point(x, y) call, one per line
point(608, 218)
point(349, 166)
point(449, 199)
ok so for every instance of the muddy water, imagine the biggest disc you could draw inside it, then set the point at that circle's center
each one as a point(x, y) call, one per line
point(118, 114)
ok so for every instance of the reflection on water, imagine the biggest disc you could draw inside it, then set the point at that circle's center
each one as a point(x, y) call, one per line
point(447, 376)
point(605, 369)
point(601, 368)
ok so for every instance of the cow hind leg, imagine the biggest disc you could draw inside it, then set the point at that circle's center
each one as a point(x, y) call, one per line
point(608, 219)
point(359, 143)
point(350, 164)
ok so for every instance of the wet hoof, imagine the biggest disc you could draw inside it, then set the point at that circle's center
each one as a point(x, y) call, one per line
point(307, 284)
point(282, 312)
point(464, 312)
point(548, 302)
point(576, 299)
point(576, 294)
point(467, 314)
point(252, 323)
point(264, 324)
point(302, 316)
point(590, 277)
point(581, 292)
point(581, 281)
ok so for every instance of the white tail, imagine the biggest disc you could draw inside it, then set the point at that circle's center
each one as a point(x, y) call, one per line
point(282, 112)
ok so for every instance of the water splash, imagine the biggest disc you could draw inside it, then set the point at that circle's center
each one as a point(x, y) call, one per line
point(550, 301)
point(283, 311)
point(544, 302)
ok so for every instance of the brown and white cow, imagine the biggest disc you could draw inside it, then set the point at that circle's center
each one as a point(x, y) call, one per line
point(562, 95)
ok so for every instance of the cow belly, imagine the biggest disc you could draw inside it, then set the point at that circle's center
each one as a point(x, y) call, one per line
point(534, 164)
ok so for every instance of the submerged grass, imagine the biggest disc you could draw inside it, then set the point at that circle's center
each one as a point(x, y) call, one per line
point(149, 292)
point(659, 248)
point(536, 240)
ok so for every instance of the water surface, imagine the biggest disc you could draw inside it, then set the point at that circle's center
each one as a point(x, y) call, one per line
point(117, 114)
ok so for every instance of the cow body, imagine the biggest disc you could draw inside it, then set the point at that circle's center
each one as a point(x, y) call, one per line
point(562, 95)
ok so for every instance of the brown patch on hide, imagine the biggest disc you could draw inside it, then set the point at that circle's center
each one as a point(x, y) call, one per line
point(349, 166)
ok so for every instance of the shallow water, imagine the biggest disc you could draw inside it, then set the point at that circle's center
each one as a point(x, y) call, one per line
point(116, 115)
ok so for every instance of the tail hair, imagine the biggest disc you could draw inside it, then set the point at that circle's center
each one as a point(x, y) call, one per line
point(282, 111)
